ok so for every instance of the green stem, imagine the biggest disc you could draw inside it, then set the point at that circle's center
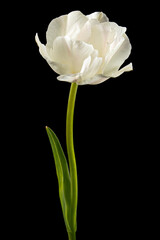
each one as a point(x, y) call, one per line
point(72, 159)
point(71, 236)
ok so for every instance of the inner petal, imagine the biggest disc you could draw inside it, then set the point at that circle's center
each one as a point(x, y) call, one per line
point(71, 53)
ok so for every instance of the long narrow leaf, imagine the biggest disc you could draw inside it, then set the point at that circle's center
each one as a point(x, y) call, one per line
point(62, 175)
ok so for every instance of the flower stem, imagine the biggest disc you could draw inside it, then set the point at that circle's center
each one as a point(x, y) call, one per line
point(71, 236)
point(72, 159)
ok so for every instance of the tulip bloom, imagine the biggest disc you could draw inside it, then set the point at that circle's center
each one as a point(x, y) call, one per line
point(82, 50)
point(85, 49)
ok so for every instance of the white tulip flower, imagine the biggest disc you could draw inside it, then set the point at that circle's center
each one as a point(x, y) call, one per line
point(82, 50)
point(85, 49)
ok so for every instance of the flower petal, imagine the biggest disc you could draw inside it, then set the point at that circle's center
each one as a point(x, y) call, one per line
point(100, 16)
point(44, 51)
point(69, 78)
point(87, 74)
point(127, 68)
point(71, 53)
point(85, 33)
point(118, 58)
point(97, 79)
point(70, 25)
point(57, 27)
point(75, 22)
point(90, 69)
point(86, 65)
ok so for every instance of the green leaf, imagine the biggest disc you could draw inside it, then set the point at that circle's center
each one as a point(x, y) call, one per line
point(62, 175)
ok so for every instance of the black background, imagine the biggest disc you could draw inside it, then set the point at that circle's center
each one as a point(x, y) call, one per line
point(109, 133)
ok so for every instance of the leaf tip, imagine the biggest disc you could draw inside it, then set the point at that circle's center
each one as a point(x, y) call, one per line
point(47, 129)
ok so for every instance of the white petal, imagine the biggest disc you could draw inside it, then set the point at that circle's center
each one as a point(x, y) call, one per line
point(62, 53)
point(127, 68)
point(44, 51)
point(92, 69)
point(65, 25)
point(100, 36)
point(118, 58)
point(115, 41)
point(69, 78)
point(86, 65)
point(71, 53)
point(95, 80)
point(100, 16)
point(85, 32)
point(87, 74)
point(75, 22)
point(57, 27)
point(103, 35)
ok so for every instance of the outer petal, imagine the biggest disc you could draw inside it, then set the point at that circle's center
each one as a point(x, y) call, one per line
point(42, 49)
point(70, 25)
point(127, 68)
point(71, 53)
point(115, 43)
point(69, 78)
point(57, 27)
point(100, 16)
point(95, 80)
point(118, 58)
point(103, 35)
point(57, 67)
